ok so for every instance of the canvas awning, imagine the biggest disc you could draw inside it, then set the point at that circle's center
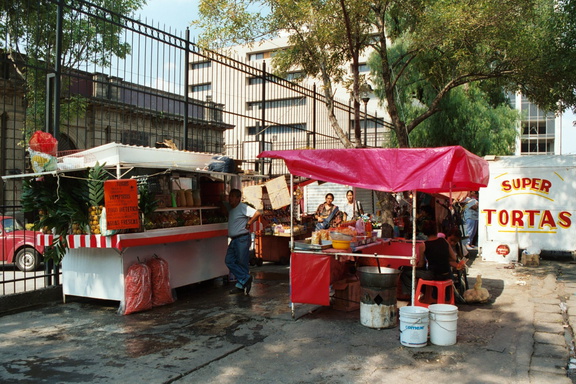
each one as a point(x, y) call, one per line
point(429, 170)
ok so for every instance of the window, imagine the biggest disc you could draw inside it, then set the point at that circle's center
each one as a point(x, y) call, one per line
point(294, 76)
point(135, 138)
point(261, 55)
point(201, 64)
point(254, 80)
point(277, 103)
point(363, 67)
point(201, 87)
point(277, 129)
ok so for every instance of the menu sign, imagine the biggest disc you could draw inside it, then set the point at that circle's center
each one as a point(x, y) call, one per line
point(121, 201)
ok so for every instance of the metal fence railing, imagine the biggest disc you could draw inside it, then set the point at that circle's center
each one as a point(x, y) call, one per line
point(92, 76)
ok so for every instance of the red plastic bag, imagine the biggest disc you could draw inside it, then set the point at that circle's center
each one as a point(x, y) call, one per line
point(43, 142)
point(160, 276)
point(137, 289)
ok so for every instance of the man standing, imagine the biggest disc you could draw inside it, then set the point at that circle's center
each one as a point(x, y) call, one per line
point(240, 217)
point(471, 218)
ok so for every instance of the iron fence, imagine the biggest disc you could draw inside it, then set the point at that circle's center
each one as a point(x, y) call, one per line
point(140, 85)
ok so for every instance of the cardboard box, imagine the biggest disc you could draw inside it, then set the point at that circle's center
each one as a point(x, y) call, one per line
point(346, 295)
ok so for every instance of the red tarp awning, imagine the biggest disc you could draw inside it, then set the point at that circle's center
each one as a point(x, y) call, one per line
point(429, 170)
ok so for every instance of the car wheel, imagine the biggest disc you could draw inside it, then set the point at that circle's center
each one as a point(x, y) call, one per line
point(27, 259)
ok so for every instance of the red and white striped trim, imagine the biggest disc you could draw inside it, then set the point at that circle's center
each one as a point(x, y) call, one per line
point(92, 241)
point(129, 240)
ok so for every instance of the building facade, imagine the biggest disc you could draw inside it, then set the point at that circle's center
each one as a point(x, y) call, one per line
point(538, 131)
point(278, 113)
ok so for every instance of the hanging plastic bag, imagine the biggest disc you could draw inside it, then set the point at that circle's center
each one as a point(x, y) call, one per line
point(360, 228)
point(137, 289)
point(160, 277)
point(42, 162)
point(104, 231)
point(43, 142)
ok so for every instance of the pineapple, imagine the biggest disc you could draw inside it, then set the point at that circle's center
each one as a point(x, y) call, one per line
point(96, 178)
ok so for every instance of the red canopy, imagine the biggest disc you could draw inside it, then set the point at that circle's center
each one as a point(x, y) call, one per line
point(429, 170)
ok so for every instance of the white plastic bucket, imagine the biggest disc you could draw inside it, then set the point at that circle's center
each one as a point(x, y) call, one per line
point(443, 324)
point(414, 326)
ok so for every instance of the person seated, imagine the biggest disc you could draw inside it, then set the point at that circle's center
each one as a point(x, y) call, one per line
point(439, 258)
point(327, 213)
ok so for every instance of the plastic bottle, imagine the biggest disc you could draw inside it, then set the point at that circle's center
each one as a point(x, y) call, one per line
point(368, 228)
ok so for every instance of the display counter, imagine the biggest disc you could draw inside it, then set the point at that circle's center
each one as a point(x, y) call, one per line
point(95, 266)
point(275, 248)
point(312, 272)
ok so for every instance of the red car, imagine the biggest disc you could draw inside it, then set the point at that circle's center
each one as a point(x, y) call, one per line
point(19, 246)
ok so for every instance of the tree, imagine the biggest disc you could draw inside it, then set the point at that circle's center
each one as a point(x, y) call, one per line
point(451, 44)
point(468, 119)
point(526, 45)
point(30, 28)
point(477, 116)
point(324, 37)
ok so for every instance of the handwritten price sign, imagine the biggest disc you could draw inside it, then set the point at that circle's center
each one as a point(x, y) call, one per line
point(121, 200)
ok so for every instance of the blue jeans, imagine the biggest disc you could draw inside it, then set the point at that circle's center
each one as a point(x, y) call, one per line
point(238, 259)
point(471, 229)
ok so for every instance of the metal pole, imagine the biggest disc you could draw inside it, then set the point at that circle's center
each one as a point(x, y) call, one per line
point(186, 82)
point(263, 116)
point(414, 256)
point(314, 118)
point(58, 69)
point(365, 122)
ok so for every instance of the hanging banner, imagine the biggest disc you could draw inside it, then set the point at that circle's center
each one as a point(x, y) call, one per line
point(121, 202)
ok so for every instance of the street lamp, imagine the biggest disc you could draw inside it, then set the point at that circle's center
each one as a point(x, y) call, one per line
point(365, 90)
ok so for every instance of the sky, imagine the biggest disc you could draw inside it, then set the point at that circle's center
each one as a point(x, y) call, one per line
point(175, 16)
point(170, 14)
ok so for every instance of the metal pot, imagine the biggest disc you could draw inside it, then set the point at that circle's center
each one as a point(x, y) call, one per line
point(378, 277)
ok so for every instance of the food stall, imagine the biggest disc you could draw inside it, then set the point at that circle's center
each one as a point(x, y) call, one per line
point(430, 170)
point(186, 228)
point(276, 224)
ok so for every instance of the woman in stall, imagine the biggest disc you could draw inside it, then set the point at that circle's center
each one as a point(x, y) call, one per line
point(352, 208)
point(327, 213)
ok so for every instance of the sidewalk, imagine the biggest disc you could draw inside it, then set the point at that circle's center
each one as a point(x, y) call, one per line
point(521, 336)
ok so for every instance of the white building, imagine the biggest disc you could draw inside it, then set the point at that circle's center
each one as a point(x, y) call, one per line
point(543, 133)
point(292, 117)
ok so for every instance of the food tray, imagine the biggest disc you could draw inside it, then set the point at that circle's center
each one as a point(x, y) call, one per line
point(306, 245)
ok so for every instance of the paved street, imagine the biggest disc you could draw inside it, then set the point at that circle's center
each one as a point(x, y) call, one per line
point(522, 335)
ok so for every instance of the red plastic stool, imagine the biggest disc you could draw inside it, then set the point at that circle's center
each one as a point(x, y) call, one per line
point(444, 292)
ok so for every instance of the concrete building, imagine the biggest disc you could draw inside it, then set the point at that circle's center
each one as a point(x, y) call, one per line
point(541, 132)
point(292, 116)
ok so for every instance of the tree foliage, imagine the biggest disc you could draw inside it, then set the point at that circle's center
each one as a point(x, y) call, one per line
point(468, 119)
point(518, 45)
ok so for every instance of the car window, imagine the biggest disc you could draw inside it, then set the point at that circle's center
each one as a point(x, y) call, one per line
point(11, 225)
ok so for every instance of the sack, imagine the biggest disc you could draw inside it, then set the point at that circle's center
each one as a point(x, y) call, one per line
point(160, 277)
point(222, 164)
point(137, 289)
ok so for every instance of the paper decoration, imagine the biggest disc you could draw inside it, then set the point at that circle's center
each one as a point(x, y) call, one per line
point(278, 192)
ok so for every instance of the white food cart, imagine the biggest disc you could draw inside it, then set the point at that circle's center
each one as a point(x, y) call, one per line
point(95, 266)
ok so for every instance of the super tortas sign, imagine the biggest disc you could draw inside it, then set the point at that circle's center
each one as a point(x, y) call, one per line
point(529, 203)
